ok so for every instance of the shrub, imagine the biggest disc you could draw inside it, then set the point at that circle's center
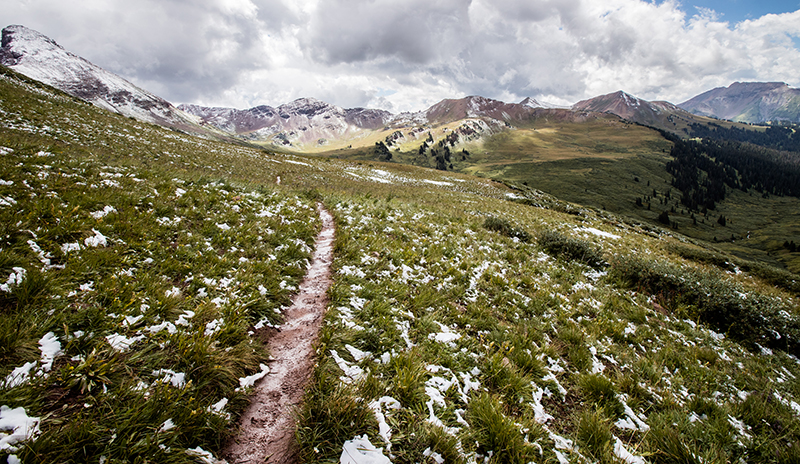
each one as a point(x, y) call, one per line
point(770, 274)
point(748, 317)
point(570, 249)
point(504, 227)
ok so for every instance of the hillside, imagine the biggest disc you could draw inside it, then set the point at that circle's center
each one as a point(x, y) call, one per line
point(750, 102)
point(39, 57)
point(142, 271)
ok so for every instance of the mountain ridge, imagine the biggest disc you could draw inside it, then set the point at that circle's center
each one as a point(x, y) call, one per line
point(311, 124)
point(750, 102)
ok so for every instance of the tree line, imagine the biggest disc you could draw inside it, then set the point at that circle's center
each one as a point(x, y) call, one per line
point(705, 169)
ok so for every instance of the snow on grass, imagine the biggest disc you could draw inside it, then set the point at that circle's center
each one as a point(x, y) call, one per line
point(360, 450)
point(16, 427)
point(19, 375)
point(15, 278)
point(598, 232)
point(459, 300)
point(97, 240)
point(50, 348)
point(621, 452)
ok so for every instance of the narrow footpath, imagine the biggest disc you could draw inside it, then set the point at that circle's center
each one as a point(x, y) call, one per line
point(266, 432)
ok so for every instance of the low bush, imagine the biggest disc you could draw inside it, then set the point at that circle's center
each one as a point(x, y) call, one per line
point(746, 316)
point(570, 249)
point(770, 274)
point(502, 226)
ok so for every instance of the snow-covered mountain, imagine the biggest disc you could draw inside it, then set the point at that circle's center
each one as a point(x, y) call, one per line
point(754, 102)
point(303, 122)
point(41, 58)
point(534, 103)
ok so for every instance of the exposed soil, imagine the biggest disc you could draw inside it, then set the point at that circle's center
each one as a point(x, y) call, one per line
point(266, 432)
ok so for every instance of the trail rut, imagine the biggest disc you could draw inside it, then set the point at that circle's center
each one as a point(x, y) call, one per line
point(266, 432)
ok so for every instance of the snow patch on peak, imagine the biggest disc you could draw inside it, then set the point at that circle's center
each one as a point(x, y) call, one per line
point(38, 57)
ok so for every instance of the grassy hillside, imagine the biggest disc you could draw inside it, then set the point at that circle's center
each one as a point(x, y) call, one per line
point(608, 164)
point(140, 269)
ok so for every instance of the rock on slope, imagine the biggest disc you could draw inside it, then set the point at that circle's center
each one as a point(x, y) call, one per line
point(41, 58)
point(753, 102)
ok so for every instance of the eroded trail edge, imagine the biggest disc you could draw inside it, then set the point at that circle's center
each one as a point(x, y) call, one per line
point(267, 426)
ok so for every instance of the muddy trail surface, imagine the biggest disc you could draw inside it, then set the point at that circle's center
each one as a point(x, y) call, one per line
point(266, 429)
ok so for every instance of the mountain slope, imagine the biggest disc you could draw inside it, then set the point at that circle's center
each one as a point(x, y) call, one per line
point(751, 102)
point(659, 114)
point(303, 123)
point(41, 58)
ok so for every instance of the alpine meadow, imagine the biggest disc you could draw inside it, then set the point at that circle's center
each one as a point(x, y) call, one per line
point(613, 282)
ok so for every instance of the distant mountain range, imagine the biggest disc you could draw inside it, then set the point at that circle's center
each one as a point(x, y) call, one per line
point(307, 123)
point(303, 122)
point(753, 102)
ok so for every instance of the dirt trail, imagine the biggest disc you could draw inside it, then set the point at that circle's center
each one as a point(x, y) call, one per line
point(267, 426)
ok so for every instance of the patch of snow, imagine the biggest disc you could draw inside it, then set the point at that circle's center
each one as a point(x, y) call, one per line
point(251, 380)
point(358, 355)
point(19, 375)
point(428, 453)
point(70, 247)
point(360, 450)
point(597, 232)
point(205, 456)
point(177, 379)
point(539, 413)
point(14, 279)
point(99, 240)
point(103, 212)
point(121, 342)
point(383, 427)
point(435, 182)
point(219, 406)
point(624, 455)
point(50, 348)
point(351, 371)
point(16, 427)
point(167, 425)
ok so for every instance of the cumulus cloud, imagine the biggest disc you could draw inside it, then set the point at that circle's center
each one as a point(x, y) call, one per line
point(408, 54)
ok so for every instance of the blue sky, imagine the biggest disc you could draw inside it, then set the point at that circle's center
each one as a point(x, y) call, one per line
point(735, 11)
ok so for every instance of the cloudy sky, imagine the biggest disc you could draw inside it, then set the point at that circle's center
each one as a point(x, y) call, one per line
point(405, 55)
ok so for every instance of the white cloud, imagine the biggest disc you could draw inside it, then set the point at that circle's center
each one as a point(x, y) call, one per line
point(407, 55)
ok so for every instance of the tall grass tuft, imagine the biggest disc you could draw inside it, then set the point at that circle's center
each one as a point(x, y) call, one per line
point(331, 414)
point(495, 432)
